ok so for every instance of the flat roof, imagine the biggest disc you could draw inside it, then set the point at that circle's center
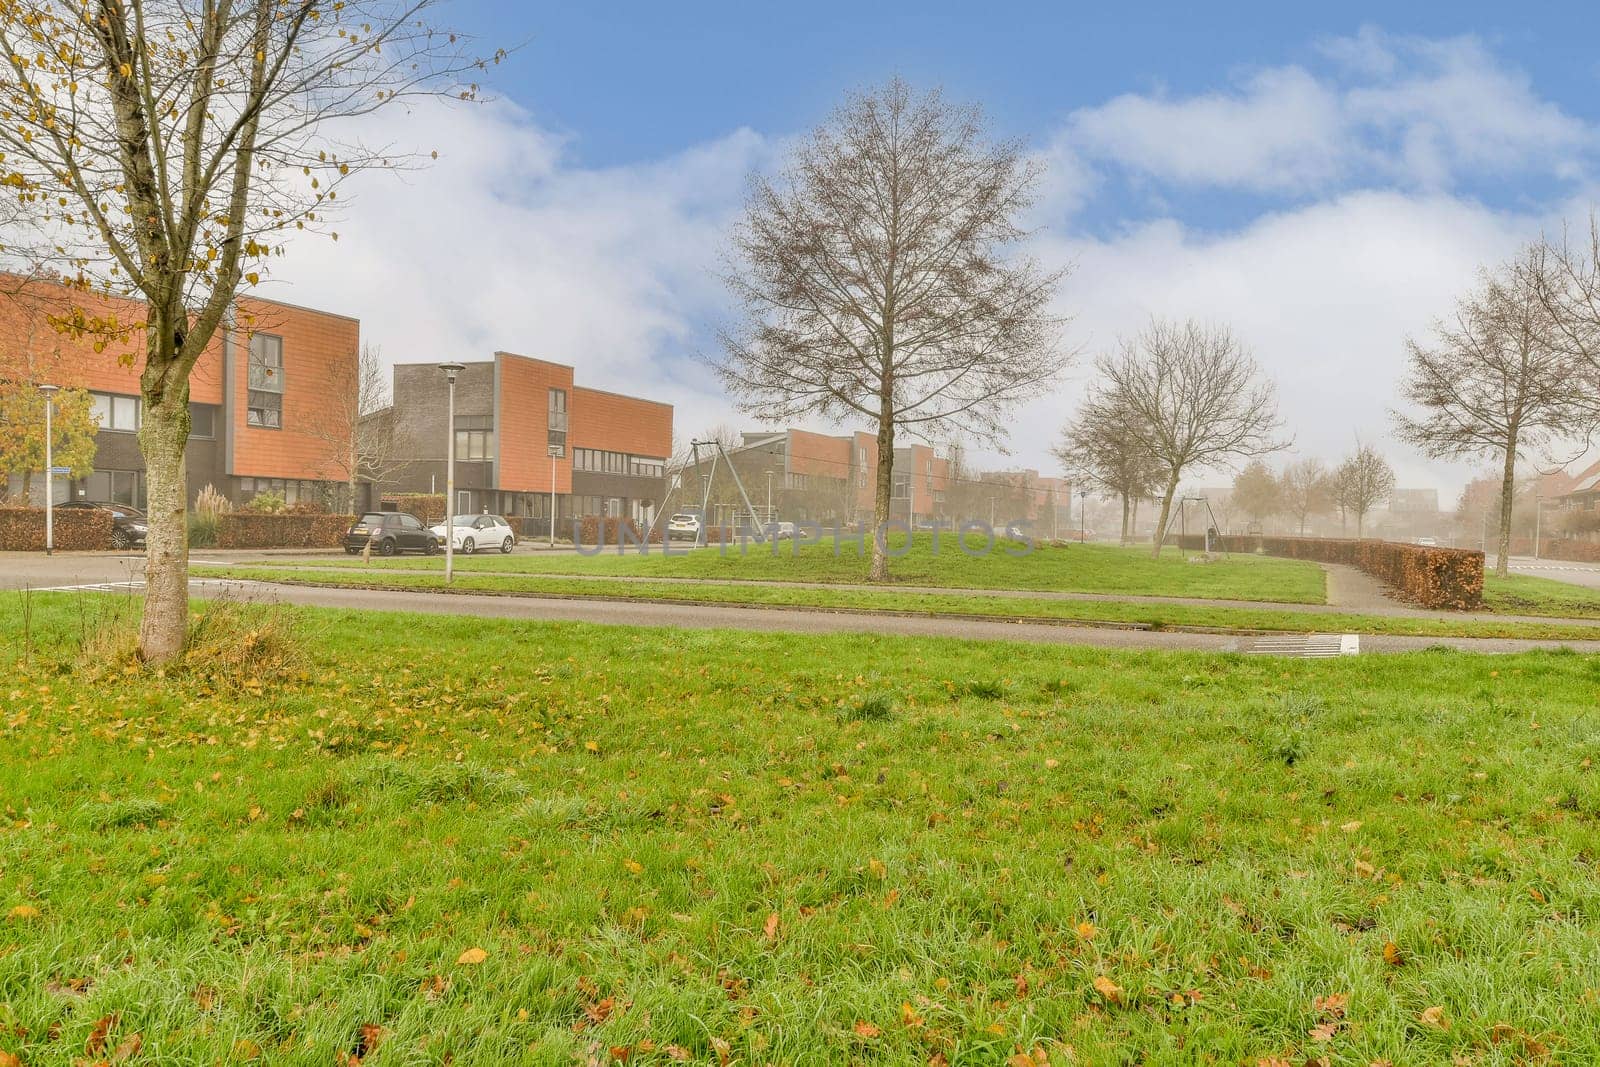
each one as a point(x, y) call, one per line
point(623, 396)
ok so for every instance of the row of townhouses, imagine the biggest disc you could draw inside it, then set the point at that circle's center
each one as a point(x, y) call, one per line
point(265, 392)
point(528, 436)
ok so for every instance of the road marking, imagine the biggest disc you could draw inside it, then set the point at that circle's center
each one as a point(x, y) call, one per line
point(1306, 646)
point(129, 586)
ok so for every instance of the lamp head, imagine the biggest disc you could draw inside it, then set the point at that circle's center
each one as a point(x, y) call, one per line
point(49, 390)
point(451, 370)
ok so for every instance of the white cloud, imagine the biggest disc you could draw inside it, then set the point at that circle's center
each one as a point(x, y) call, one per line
point(502, 244)
point(1419, 113)
point(1324, 296)
point(1281, 131)
point(505, 243)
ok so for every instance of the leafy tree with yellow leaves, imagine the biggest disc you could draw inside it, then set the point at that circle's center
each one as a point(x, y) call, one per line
point(22, 429)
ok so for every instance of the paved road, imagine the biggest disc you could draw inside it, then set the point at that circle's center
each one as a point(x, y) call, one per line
point(1584, 574)
point(112, 573)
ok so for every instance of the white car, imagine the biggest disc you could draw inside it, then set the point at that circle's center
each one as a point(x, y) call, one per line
point(684, 526)
point(783, 531)
point(472, 532)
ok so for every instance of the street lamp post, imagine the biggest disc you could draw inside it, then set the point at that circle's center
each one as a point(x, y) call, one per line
point(554, 452)
point(450, 372)
point(1083, 514)
point(49, 392)
point(769, 496)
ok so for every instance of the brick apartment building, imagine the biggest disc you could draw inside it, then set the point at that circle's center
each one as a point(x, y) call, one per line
point(511, 412)
point(258, 394)
point(800, 475)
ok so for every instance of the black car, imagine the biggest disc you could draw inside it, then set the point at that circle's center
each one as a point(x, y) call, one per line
point(128, 524)
point(390, 532)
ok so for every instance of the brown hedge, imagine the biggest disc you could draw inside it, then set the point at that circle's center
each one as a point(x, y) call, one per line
point(590, 528)
point(1568, 549)
point(240, 529)
point(76, 529)
point(1432, 577)
point(429, 507)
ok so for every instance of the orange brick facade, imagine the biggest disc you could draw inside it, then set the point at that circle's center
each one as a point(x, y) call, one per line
point(319, 354)
point(522, 418)
point(614, 448)
point(618, 423)
point(319, 350)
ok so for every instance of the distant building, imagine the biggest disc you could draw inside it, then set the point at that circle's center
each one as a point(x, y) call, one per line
point(511, 413)
point(1414, 502)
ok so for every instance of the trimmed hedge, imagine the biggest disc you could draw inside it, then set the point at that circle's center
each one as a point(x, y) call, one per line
point(429, 507)
point(1560, 548)
point(590, 529)
point(76, 529)
point(1432, 577)
point(241, 529)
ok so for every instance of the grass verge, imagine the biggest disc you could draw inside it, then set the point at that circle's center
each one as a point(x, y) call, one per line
point(1086, 568)
point(1148, 614)
point(1524, 594)
point(499, 842)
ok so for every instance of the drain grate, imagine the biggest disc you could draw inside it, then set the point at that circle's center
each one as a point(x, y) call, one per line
point(1306, 646)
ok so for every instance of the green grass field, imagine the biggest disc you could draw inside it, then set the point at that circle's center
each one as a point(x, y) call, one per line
point(1144, 613)
point(1076, 568)
point(462, 840)
point(1524, 594)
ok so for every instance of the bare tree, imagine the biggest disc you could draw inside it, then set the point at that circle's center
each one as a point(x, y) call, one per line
point(1099, 447)
point(1567, 277)
point(1307, 490)
point(877, 282)
point(1196, 399)
point(1363, 481)
point(358, 432)
point(1496, 381)
point(165, 148)
point(1257, 491)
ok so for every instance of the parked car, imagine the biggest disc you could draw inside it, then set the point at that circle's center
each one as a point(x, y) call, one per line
point(472, 532)
point(684, 526)
point(783, 531)
point(128, 527)
point(390, 532)
point(1428, 542)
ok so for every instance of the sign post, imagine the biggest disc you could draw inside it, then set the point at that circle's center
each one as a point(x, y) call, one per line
point(555, 452)
point(49, 392)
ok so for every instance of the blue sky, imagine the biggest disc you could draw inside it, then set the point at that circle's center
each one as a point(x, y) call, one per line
point(1324, 177)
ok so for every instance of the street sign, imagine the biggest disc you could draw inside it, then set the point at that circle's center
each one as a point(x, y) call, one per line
point(60, 470)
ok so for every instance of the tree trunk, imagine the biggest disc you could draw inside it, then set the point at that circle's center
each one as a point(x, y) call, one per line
point(882, 496)
point(163, 433)
point(1165, 517)
point(1508, 487)
point(1125, 520)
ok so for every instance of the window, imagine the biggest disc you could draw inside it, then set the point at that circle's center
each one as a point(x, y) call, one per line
point(558, 418)
point(114, 412)
point(265, 382)
point(117, 487)
point(475, 445)
point(202, 420)
point(408, 522)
